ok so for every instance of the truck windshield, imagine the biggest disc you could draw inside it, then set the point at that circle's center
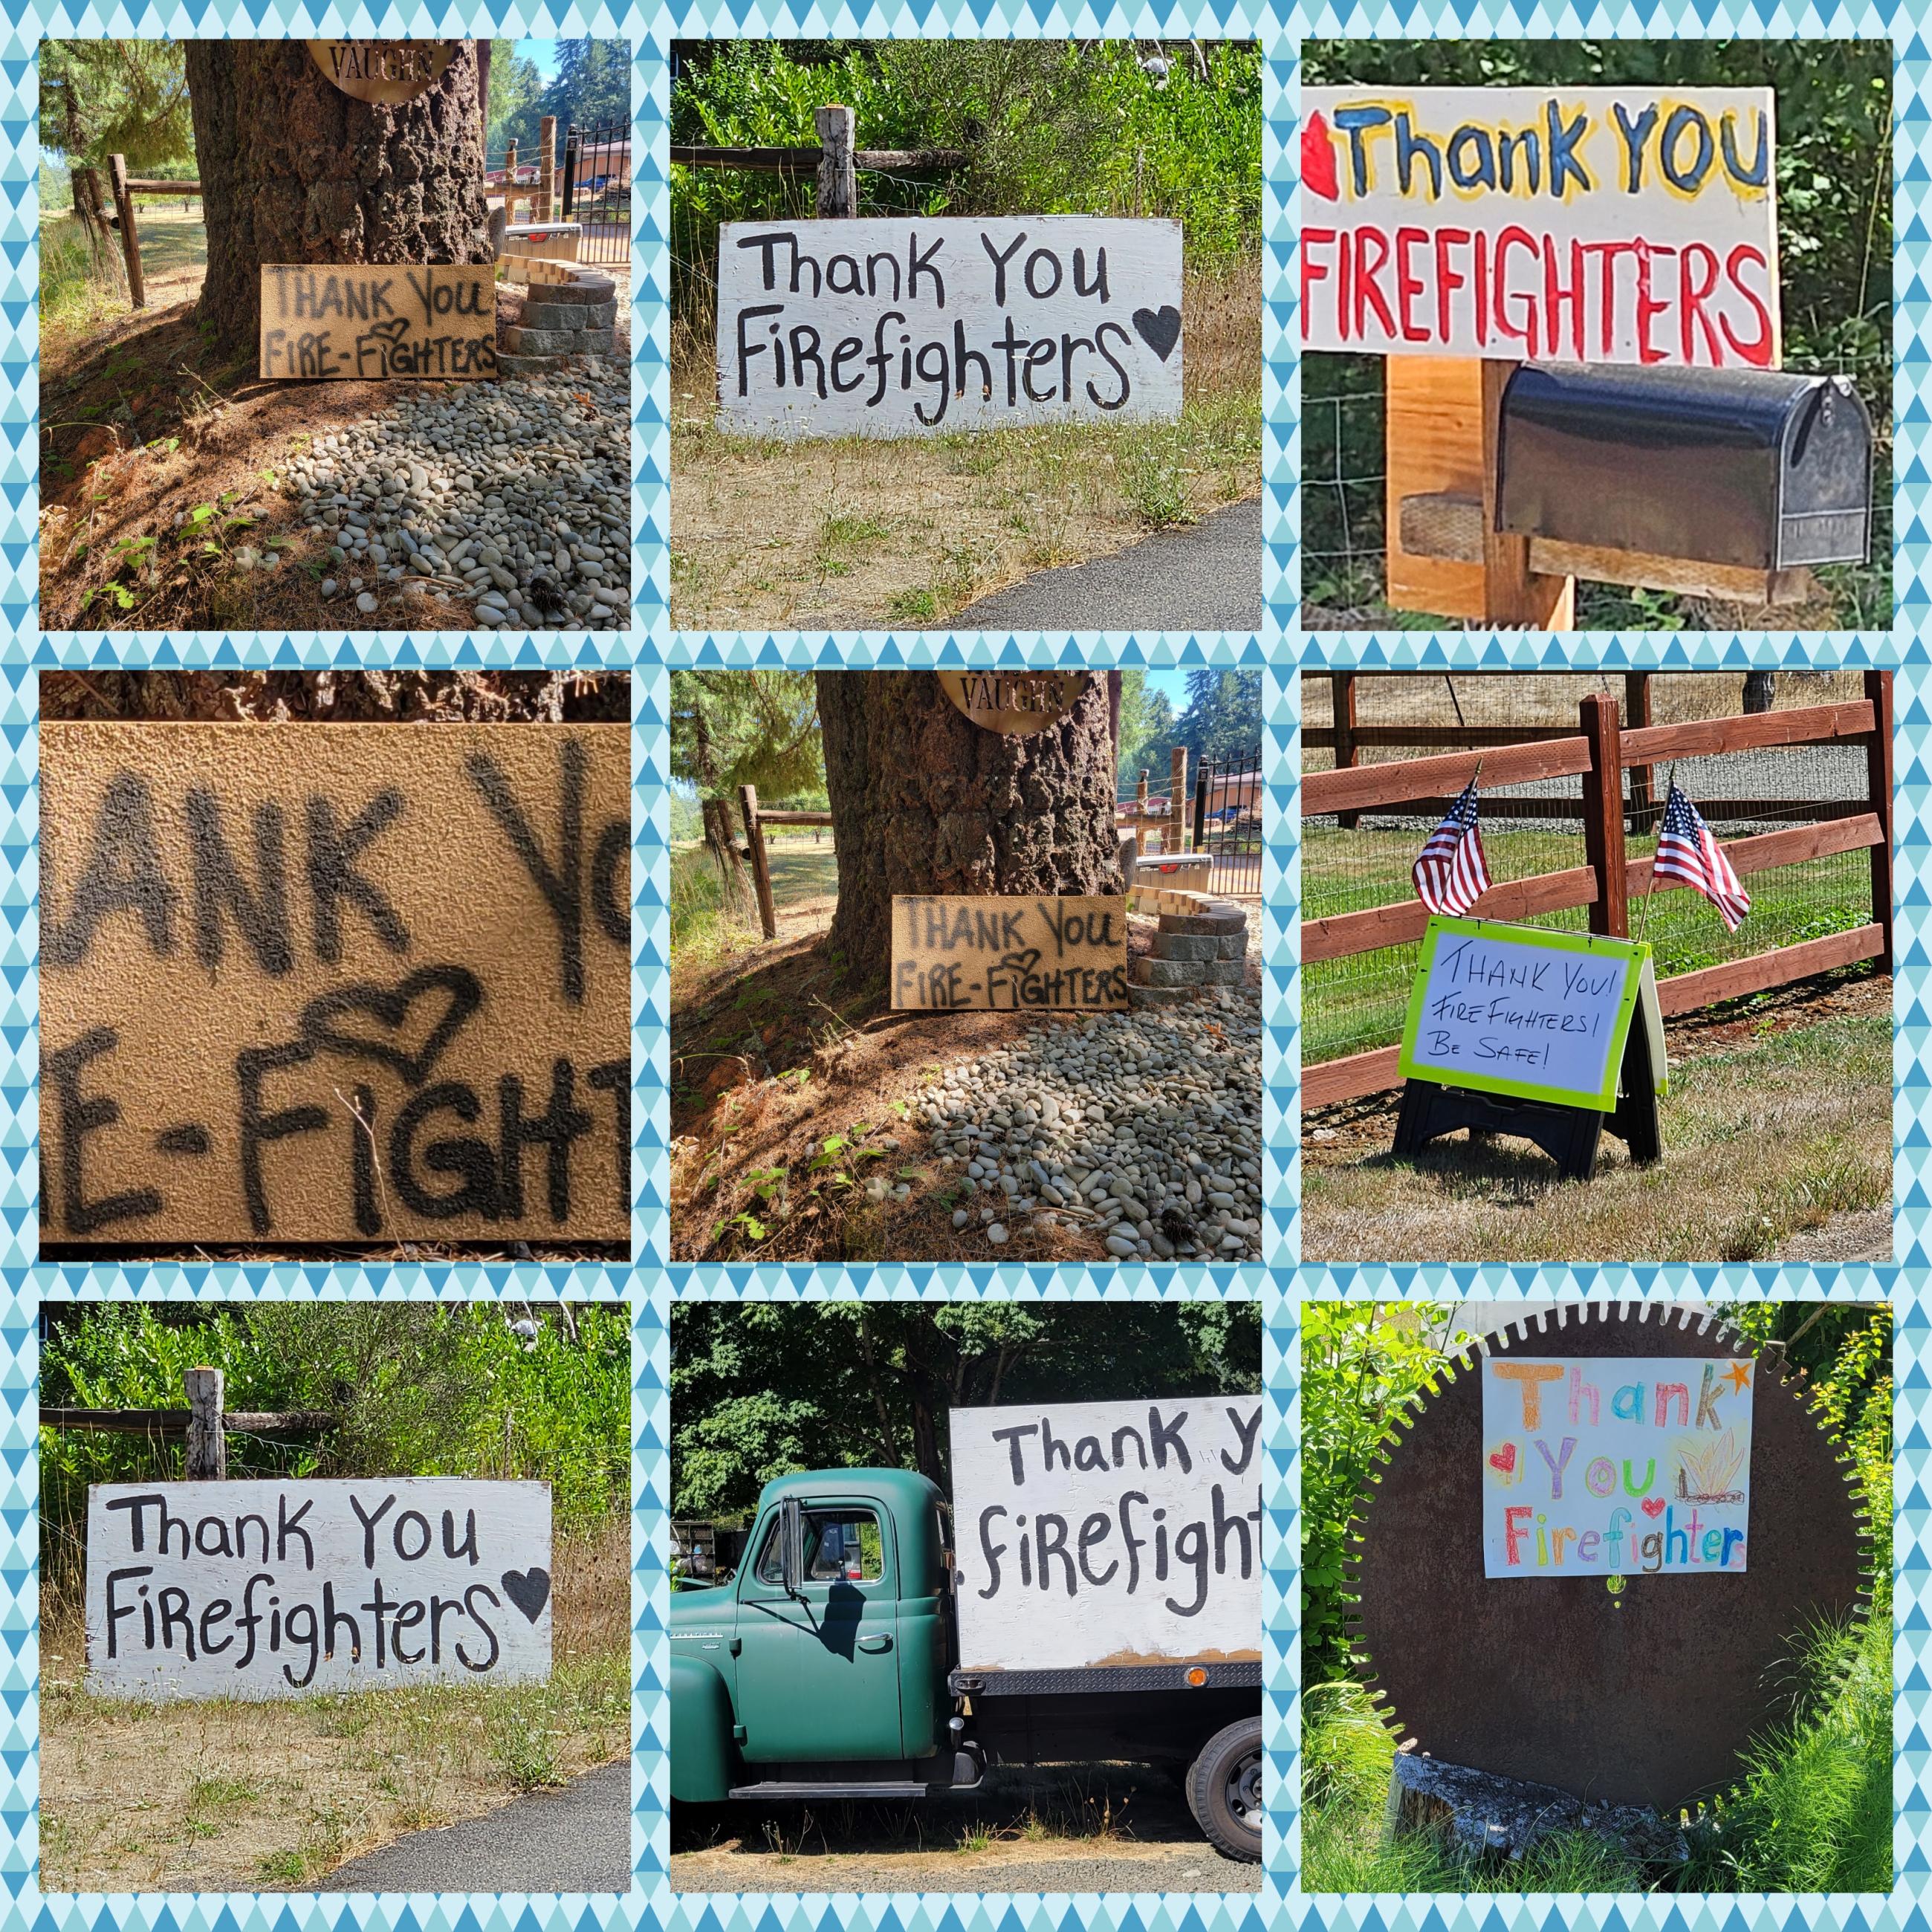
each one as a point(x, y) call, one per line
point(841, 1546)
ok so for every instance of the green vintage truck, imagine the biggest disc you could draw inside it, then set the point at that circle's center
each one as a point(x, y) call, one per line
point(830, 1665)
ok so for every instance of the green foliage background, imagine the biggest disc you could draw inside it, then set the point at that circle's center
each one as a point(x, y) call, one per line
point(1053, 127)
point(419, 1389)
point(1835, 169)
point(760, 1389)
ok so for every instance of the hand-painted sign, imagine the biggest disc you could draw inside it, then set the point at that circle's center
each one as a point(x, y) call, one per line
point(384, 71)
point(1015, 702)
point(374, 322)
point(1589, 224)
point(1008, 954)
point(913, 327)
point(1102, 1533)
point(324, 982)
point(290, 1589)
point(1515, 1010)
point(1612, 1464)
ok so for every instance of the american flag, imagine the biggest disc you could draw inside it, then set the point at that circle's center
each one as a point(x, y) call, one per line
point(1687, 851)
point(1450, 873)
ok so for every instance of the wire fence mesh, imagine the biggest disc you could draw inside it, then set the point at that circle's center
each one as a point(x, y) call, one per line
point(1355, 1004)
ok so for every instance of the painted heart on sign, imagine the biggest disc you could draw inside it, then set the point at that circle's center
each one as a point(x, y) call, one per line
point(1503, 1459)
point(528, 1589)
point(1159, 328)
point(1318, 159)
point(1652, 1506)
point(391, 1005)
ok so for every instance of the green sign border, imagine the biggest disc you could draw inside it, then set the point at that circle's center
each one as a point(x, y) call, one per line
point(1628, 950)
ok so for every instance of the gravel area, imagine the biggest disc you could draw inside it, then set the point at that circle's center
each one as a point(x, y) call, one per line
point(513, 494)
point(1144, 1126)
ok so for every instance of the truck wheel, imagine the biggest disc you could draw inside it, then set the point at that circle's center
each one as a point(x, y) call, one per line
point(1224, 1790)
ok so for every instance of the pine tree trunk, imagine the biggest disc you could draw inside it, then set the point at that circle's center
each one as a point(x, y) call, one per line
point(923, 800)
point(293, 170)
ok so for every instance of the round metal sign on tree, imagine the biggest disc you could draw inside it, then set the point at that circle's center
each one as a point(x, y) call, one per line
point(1016, 702)
point(1628, 1684)
point(383, 72)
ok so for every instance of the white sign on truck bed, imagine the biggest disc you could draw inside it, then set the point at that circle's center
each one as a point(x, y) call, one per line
point(1093, 1534)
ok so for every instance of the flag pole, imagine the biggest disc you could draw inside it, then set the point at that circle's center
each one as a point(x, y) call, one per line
point(1643, 918)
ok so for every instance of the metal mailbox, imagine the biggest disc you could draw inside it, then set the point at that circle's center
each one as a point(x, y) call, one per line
point(1746, 468)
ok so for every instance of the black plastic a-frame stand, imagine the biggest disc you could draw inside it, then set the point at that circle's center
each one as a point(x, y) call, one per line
point(1569, 1135)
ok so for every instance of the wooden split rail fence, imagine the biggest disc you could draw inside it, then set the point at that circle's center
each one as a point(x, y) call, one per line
point(1601, 751)
point(206, 1423)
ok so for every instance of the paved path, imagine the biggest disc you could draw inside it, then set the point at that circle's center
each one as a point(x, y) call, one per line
point(577, 1839)
point(1202, 576)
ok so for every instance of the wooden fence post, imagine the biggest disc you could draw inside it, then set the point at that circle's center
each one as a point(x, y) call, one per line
point(207, 1460)
point(1174, 839)
point(131, 242)
point(1603, 817)
point(761, 868)
point(1636, 715)
point(1140, 816)
point(510, 182)
point(1348, 753)
point(547, 169)
point(1878, 772)
point(837, 182)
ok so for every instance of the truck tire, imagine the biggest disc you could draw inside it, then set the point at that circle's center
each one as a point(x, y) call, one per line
point(1224, 1790)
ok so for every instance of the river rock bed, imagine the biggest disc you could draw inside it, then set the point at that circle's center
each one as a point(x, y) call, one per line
point(1145, 1127)
point(515, 493)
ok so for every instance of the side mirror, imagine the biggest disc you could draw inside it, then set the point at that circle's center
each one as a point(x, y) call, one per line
point(791, 1545)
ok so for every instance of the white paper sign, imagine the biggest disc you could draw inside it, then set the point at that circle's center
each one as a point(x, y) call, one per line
point(1107, 1533)
point(287, 1589)
point(1614, 1466)
point(1585, 224)
point(906, 328)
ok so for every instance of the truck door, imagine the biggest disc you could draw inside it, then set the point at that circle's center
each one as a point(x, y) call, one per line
point(818, 1677)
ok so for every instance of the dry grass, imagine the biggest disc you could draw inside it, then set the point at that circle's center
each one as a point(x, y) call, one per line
point(233, 1796)
point(859, 532)
point(1763, 1140)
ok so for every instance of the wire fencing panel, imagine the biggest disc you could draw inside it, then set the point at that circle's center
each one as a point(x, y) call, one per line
point(1355, 1004)
point(1224, 815)
point(595, 179)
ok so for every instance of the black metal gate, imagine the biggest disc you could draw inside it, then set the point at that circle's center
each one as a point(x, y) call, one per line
point(597, 190)
point(1228, 821)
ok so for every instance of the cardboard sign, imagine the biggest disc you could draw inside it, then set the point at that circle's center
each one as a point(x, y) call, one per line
point(388, 71)
point(1590, 224)
point(914, 328)
point(329, 982)
point(1515, 1010)
point(377, 323)
point(1614, 1465)
point(289, 1589)
point(1107, 1533)
point(1015, 702)
point(1007, 954)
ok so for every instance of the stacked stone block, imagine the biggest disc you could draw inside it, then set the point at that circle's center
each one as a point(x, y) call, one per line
point(561, 321)
point(1194, 952)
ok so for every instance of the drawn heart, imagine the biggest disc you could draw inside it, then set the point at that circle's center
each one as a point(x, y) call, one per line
point(1503, 1459)
point(1160, 330)
point(391, 1005)
point(1652, 1506)
point(1318, 159)
point(528, 1589)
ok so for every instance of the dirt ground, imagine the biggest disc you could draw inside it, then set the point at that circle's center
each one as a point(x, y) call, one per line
point(1099, 1827)
point(141, 415)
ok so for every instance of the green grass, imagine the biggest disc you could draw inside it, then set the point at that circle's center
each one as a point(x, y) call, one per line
point(1813, 1812)
point(1354, 1004)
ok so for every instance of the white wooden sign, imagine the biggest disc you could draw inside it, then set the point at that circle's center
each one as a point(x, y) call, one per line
point(1613, 1465)
point(288, 1589)
point(890, 327)
point(1107, 1533)
point(1589, 224)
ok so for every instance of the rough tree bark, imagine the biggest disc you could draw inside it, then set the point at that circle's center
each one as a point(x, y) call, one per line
point(922, 800)
point(294, 170)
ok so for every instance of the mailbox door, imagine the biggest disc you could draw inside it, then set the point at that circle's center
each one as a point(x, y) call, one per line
point(1824, 515)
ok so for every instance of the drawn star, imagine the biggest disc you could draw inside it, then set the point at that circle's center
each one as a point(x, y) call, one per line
point(1740, 1374)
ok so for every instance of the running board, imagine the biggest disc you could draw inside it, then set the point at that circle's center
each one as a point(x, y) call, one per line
point(882, 1790)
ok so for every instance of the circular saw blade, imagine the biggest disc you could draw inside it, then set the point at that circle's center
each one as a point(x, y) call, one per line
point(1643, 1696)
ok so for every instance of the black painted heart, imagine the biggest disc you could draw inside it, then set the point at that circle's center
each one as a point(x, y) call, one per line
point(1159, 328)
point(327, 1023)
point(528, 1589)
